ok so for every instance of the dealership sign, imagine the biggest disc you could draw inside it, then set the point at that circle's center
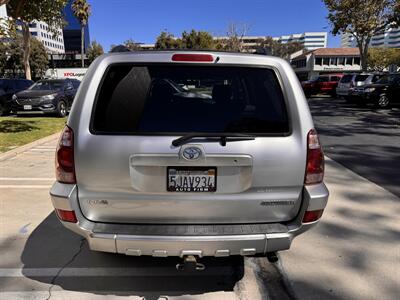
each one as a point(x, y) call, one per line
point(75, 73)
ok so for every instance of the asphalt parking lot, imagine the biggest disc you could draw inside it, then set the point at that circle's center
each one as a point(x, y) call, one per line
point(352, 254)
point(363, 139)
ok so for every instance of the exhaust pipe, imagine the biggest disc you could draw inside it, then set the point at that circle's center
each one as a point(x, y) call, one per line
point(190, 264)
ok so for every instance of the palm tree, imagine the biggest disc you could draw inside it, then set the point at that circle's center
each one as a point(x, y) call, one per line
point(81, 11)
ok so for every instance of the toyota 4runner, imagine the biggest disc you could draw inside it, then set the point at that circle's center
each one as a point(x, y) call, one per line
point(189, 154)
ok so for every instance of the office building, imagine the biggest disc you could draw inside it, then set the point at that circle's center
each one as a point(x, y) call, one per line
point(310, 40)
point(309, 64)
point(54, 43)
point(72, 32)
point(390, 38)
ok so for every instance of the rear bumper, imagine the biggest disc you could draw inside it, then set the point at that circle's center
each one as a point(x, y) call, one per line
point(181, 240)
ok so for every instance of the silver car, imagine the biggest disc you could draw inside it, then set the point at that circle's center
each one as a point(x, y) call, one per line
point(189, 154)
point(350, 82)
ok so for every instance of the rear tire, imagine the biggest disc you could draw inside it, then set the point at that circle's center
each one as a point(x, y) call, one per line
point(61, 109)
point(383, 101)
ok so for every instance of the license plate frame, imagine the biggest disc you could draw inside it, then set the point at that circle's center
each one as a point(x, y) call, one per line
point(199, 172)
point(27, 107)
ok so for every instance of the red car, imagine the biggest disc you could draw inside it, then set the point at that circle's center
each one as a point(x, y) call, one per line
point(323, 84)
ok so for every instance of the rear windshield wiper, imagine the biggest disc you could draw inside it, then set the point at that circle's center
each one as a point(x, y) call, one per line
point(222, 137)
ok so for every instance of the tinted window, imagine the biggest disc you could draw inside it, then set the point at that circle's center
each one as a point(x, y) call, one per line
point(48, 85)
point(389, 79)
point(75, 83)
point(376, 78)
point(323, 79)
point(180, 99)
point(361, 77)
point(346, 78)
point(4, 84)
point(335, 78)
point(22, 84)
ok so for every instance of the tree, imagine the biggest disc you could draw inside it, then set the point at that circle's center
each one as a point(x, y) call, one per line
point(132, 45)
point(23, 12)
point(235, 34)
point(11, 57)
point(167, 40)
point(197, 40)
point(38, 59)
point(94, 50)
point(81, 11)
point(277, 48)
point(380, 58)
point(362, 19)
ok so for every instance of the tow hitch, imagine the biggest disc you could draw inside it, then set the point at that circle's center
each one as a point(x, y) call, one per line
point(190, 264)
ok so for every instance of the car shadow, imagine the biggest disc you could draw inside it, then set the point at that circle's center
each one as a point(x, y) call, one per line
point(52, 246)
point(363, 139)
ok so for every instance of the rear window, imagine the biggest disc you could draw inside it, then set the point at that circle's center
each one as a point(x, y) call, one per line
point(361, 77)
point(335, 78)
point(323, 79)
point(173, 99)
point(346, 78)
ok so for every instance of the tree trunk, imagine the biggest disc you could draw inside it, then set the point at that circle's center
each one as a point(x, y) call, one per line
point(364, 59)
point(27, 49)
point(82, 45)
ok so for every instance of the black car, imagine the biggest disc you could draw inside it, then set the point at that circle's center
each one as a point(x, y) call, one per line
point(47, 96)
point(8, 87)
point(381, 93)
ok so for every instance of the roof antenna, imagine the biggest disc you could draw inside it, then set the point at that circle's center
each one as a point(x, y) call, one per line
point(216, 60)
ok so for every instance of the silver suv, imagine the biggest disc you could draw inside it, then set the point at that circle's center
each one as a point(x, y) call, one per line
point(189, 154)
point(350, 82)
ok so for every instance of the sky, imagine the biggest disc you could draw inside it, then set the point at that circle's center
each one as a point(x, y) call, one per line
point(113, 22)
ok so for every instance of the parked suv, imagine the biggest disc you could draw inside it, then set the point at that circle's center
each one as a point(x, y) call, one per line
point(48, 96)
point(146, 169)
point(382, 93)
point(350, 82)
point(8, 87)
point(323, 84)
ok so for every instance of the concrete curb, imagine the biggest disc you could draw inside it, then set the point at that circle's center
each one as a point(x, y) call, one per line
point(23, 148)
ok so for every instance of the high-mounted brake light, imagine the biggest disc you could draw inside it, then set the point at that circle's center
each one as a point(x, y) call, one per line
point(192, 57)
point(65, 166)
point(315, 159)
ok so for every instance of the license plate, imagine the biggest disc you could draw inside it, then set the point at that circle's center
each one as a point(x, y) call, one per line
point(27, 107)
point(191, 179)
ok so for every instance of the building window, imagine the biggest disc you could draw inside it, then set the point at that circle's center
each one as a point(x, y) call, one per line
point(325, 61)
point(34, 33)
point(333, 61)
point(318, 61)
point(357, 60)
point(349, 61)
point(340, 61)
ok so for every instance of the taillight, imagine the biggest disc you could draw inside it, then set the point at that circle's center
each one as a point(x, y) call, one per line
point(66, 215)
point(65, 166)
point(312, 215)
point(193, 57)
point(315, 159)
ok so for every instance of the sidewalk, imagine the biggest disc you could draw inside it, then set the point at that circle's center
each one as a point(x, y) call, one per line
point(354, 253)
